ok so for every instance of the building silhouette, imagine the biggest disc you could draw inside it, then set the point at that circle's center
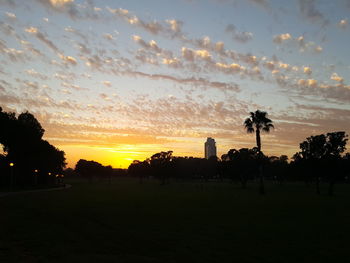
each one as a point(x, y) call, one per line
point(209, 148)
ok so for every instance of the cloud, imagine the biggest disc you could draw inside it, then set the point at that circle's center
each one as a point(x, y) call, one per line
point(108, 36)
point(63, 6)
point(14, 55)
point(172, 62)
point(308, 9)
point(204, 42)
point(71, 86)
point(8, 30)
point(242, 37)
point(42, 37)
point(68, 59)
point(307, 70)
point(83, 10)
point(279, 39)
point(36, 74)
point(318, 49)
point(287, 40)
point(190, 54)
point(283, 66)
point(32, 30)
point(153, 27)
point(196, 82)
point(60, 3)
point(105, 96)
point(312, 83)
point(339, 93)
point(169, 27)
point(336, 77)
point(204, 54)
point(219, 47)
point(146, 57)
point(269, 65)
point(175, 25)
point(31, 84)
point(10, 15)
point(84, 49)
point(152, 45)
point(343, 23)
point(230, 68)
point(107, 83)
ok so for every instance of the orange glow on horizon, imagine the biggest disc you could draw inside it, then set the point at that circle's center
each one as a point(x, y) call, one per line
point(120, 157)
point(123, 155)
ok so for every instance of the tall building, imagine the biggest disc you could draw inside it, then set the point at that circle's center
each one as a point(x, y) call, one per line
point(209, 148)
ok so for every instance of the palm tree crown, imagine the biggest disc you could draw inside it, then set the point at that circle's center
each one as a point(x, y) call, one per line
point(256, 122)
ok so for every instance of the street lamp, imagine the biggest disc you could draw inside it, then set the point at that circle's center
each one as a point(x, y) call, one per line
point(11, 174)
point(57, 181)
point(36, 176)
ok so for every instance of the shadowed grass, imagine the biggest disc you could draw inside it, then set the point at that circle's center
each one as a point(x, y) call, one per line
point(180, 222)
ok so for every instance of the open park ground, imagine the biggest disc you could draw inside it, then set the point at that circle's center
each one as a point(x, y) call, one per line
point(126, 221)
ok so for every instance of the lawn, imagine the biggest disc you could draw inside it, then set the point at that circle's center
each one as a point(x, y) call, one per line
point(181, 222)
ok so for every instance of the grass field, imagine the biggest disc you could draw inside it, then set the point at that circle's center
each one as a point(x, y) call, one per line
point(128, 222)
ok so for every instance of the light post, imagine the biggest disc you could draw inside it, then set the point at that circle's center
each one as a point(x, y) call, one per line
point(35, 176)
point(11, 174)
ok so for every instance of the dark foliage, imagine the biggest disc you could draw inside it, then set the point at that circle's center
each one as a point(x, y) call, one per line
point(164, 165)
point(320, 159)
point(257, 122)
point(92, 169)
point(28, 159)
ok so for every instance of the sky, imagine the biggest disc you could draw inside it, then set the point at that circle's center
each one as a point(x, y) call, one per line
point(114, 81)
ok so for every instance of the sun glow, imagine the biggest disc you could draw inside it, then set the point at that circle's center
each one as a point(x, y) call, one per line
point(117, 157)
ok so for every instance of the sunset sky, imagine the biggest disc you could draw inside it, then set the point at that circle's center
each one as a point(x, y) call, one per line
point(113, 81)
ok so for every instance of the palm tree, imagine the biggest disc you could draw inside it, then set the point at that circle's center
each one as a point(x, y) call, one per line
point(258, 122)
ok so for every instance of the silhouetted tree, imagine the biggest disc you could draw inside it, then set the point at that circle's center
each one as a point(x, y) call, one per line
point(23, 145)
point(276, 168)
point(336, 145)
point(320, 156)
point(69, 172)
point(258, 122)
point(139, 169)
point(161, 165)
point(243, 164)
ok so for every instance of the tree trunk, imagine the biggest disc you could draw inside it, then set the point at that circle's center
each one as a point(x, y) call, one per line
point(258, 141)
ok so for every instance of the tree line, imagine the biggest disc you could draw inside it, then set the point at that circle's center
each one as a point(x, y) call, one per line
point(92, 170)
point(27, 158)
point(320, 159)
